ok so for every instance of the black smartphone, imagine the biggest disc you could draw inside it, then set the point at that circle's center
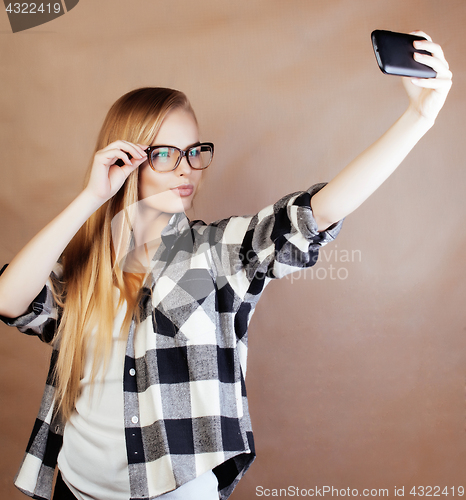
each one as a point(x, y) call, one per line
point(394, 54)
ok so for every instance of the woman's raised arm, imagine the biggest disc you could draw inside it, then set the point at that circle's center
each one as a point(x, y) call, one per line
point(27, 273)
point(357, 181)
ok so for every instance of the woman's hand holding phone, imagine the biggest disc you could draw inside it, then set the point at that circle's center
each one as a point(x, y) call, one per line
point(427, 95)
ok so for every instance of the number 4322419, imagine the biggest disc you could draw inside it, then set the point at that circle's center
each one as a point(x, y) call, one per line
point(436, 491)
point(33, 8)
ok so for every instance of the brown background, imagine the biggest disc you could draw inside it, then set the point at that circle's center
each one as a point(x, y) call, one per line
point(356, 382)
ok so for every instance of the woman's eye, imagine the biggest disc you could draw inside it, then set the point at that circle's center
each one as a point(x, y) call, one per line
point(161, 154)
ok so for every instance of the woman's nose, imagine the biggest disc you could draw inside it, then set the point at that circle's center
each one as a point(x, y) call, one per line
point(184, 166)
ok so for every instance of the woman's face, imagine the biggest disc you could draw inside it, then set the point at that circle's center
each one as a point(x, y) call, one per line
point(158, 189)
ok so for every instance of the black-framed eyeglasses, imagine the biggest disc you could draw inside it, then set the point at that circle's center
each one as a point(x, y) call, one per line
point(166, 158)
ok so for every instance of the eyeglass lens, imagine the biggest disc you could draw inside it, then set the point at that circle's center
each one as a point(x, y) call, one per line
point(165, 158)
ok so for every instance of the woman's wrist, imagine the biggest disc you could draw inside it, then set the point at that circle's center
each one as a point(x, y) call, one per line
point(90, 200)
point(417, 121)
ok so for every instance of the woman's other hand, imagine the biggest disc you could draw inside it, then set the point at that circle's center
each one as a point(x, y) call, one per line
point(107, 178)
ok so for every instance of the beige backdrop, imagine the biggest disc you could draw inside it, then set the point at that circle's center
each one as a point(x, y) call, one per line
point(357, 371)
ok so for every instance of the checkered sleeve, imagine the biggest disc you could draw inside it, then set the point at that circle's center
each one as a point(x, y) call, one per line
point(280, 239)
point(42, 315)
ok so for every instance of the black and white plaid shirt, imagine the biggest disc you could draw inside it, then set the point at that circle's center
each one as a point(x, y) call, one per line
point(185, 405)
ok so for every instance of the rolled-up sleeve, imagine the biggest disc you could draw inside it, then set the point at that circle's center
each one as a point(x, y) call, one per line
point(41, 317)
point(280, 239)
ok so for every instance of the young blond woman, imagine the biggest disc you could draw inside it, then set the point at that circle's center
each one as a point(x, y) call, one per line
point(148, 312)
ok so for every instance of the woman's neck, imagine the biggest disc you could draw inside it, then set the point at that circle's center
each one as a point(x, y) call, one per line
point(147, 224)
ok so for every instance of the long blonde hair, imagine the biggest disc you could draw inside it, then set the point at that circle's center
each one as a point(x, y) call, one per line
point(89, 267)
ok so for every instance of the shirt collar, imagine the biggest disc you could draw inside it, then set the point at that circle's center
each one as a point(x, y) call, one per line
point(178, 223)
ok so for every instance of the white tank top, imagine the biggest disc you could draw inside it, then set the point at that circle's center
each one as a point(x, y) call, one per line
point(93, 459)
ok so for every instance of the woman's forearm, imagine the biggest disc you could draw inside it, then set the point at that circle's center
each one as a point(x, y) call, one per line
point(358, 180)
point(27, 273)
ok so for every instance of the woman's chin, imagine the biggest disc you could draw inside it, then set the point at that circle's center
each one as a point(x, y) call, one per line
point(167, 201)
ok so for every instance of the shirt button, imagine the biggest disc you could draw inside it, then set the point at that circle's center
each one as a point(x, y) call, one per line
point(135, 420)
point(132, 372)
